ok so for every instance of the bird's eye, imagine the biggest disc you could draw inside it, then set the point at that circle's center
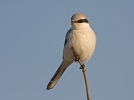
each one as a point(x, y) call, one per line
point(81, 21)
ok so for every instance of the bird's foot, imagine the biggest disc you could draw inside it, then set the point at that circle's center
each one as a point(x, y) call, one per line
point(82, 66)
point(77, 58)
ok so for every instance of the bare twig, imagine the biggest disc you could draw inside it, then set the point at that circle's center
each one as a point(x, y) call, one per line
point(82, 66)
point(85, 78)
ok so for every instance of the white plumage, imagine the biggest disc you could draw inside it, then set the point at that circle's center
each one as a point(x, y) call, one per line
point(82, 39)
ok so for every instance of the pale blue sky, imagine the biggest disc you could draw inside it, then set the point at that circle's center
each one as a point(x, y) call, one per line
point(32, 34)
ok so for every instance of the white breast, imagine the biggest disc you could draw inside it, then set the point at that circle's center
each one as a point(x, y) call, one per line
point(83, 41)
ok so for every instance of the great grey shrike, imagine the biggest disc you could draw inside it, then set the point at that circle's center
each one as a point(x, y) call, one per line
point(80, 39)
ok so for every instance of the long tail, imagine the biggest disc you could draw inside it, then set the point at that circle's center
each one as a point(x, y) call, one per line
point(57, 75)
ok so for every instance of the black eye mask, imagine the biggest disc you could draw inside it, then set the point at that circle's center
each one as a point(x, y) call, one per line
point(81, 21)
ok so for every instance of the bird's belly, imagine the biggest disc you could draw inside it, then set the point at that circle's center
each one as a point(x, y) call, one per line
point(83, 45)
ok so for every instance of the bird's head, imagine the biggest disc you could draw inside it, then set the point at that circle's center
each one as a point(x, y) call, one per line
point(79, 20)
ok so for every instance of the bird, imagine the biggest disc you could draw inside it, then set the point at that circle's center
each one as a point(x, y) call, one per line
point(80, 42)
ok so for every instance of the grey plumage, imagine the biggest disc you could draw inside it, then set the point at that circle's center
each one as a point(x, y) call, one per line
point(82, 39)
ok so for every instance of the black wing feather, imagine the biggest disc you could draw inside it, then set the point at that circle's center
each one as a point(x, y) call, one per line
point(66, 38)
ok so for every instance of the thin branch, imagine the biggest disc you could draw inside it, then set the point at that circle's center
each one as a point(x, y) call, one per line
point(85, 78)
point(82, 66)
